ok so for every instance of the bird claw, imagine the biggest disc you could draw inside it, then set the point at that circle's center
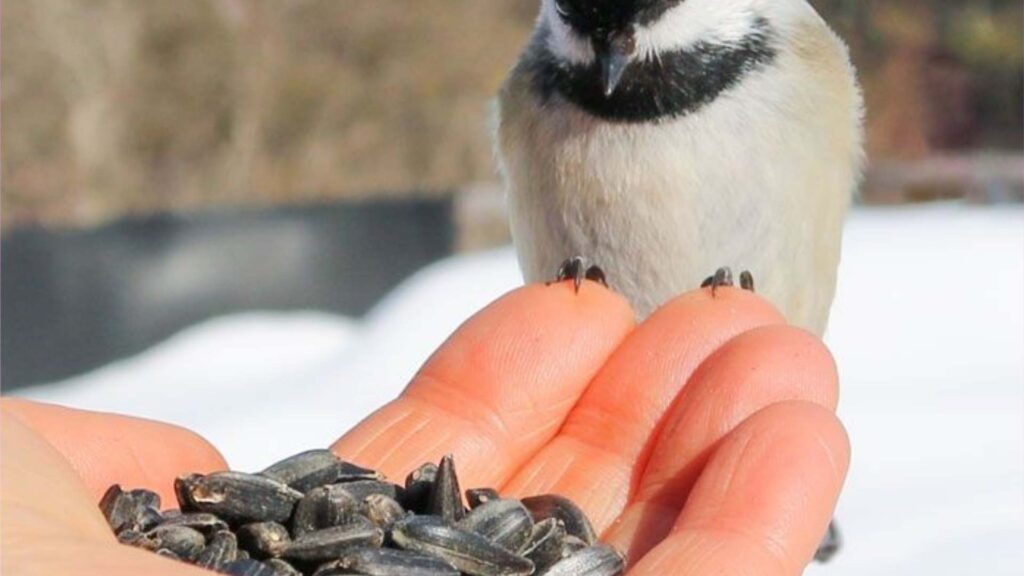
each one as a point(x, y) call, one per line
point(747, 281)
point(723, 277)
point(575, 269)
point(830, 544)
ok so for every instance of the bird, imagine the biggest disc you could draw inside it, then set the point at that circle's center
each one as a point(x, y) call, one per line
point(661, 140)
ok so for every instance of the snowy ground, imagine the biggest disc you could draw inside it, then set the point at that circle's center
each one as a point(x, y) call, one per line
point(928, 331)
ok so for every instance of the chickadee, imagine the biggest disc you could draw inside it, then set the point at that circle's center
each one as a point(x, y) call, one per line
point(662, 139)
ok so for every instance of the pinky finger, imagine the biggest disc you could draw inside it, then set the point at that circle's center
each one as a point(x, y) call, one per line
point(764, 500)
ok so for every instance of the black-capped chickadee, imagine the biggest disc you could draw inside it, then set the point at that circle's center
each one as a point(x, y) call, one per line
point(663, 139)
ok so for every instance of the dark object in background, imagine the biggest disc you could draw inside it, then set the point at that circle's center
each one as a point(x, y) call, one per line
point(75, 300)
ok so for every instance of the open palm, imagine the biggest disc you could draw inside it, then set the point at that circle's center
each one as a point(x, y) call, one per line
point(702, 441)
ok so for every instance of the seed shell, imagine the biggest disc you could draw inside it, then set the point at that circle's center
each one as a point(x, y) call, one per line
point(383, 511)
point(599, 560)
point(323, 507)
point(145, 498)
point(571, 545)
point(138, 540)
point(182, 540)
point(388, 562)
point(466, 551)
point(545, 545)
point(248, 567)
point(360, 489)
point(477, 496)
point(204, 522)
point(554, 506)
point(238, 497)
point(306, 470)
point(330, 543)
point(282, 568)
point(168, 553)
point(507, 523)
point(350, 472)
point(264, 539)
point(221, 550)
point(418, 486)
point(445, 498)
point(132, 510)
point(328, 517)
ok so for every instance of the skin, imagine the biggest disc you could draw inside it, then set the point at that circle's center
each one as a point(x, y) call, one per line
point(712, 402)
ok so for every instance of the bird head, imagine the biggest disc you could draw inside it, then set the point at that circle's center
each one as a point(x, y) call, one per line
point(614, 35)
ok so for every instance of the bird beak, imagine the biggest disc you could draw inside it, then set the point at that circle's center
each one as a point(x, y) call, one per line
point(613, 64)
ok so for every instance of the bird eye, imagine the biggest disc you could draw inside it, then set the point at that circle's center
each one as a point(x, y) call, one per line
point(562, 7)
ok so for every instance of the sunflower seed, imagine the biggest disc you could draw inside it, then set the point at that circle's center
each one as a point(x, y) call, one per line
point(323, 507)
point(133, 510)
point(445, 497)
point(418, 486)
point(306, 470)
point(545, 545)
point(336, 524)
point(571, 545)
point(204, 522)
point(382, 511)
point(264, 539)
point(330, 543)
point(599, 560)
point(238, 497)
point(168, 553)
point(182, 540)
point(145, 498)
point(349, 472)
point(360, 489)
point(507, 523)
point(467, 551)
point(181, 484)
point(248, 567)
point(554, 506)
point(478, 496)
point(149, 518)
point(332, 569)
point(387, 562)
point(138, 540)
point(221, 550)
point(282, 568)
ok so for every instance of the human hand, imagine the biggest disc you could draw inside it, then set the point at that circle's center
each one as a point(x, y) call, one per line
point(712, 402)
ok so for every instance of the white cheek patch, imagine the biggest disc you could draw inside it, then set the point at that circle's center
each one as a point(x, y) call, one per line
point(563, 42)
point(692, 21)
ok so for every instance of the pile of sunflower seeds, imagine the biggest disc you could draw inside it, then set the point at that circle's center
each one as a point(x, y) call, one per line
point(314, 514)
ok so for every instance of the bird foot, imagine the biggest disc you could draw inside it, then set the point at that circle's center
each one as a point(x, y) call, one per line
point(723, 277)
point(575, 269)
point(830, 544)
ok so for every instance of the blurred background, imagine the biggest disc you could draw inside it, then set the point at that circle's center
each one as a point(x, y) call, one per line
point(140, 135)
point(263, 194)
point(118, 107)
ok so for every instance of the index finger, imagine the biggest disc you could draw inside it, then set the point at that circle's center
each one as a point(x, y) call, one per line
point(499, 388)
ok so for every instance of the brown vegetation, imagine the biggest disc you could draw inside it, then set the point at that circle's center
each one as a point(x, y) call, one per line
point(114, 106)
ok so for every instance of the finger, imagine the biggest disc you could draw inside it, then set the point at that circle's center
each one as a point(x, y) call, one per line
point(41, 493)
point(764, 499)
point(756, 369)
point(51, 524)
point(599, 453)
point(105, 449)
point(499, 388)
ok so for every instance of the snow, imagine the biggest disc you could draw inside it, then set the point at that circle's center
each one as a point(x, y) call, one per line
point(927, 328)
